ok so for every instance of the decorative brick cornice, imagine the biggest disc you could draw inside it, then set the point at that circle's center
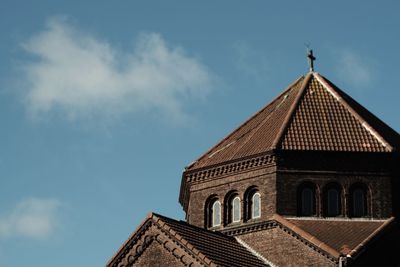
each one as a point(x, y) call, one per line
point(222, 170)
point(245, 229)
point(229, 168)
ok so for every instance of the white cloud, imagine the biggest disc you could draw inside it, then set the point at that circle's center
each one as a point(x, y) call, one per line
point(31, 218)
point(354, 69)
point(77, 75)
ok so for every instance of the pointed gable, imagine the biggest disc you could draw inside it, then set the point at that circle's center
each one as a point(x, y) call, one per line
point(160, 240)
point(311, 115)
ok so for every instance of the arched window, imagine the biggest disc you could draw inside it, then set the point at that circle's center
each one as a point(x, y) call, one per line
point(232, 208)
point(256, 206)
point(332, 200)
point(252, 206)
point(236, 209)
point(212, 216)
point(358, 201)
point(216, 214)
point(306, 202)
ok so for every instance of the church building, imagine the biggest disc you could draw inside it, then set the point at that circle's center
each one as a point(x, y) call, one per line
point(312, 179)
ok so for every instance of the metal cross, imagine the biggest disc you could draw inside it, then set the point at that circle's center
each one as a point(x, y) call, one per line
point(311, 59)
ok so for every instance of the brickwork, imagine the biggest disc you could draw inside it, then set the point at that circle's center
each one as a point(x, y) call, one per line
point(263, 179)
point(282, 249)
point(378, 198)
point(157, 256)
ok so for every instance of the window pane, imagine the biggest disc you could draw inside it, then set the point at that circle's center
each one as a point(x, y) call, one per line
point(358, 203)
point(236, 209)
point(216, 214)
point(256, 211)
point(333, 202)
point(307, 202)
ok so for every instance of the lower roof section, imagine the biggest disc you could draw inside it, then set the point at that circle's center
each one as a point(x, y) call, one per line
point(269, 243)
point(193, 246)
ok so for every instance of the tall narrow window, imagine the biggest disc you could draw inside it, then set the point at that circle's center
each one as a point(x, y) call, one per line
point(358, 201)
point(216, 214)
point(256, 206)
point(236, 209)
point(306, 204)
point(332, 200)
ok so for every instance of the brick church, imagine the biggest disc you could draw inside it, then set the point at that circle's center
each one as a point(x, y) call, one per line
point(312, 179)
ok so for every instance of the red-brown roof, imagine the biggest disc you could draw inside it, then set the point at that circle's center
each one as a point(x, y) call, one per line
point(312, 114)
point(220, 249)
point(212, 248)
point(340, 237)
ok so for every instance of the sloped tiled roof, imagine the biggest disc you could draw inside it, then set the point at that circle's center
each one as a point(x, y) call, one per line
point(213, 248)
point(340, 237)
point(312, 114)
point(220, 249)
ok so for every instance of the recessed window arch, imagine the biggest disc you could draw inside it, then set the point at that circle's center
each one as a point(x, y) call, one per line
point(232, 207)
point(213, 212)
point(358, 200)
point(252, 207)
point(332, 200)
point(306, 199)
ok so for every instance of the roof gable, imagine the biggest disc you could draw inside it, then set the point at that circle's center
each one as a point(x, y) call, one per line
point(193, 246)
point(311, 114)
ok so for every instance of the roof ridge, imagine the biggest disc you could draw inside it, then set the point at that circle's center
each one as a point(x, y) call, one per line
point(295, 104)
point(355, 114)
point(247, 121)
point(306, 235)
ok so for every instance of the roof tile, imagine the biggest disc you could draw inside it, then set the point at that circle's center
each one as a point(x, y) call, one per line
point(311, 114)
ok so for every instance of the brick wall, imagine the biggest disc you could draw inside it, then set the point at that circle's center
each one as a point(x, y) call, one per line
point(156, 256)
point(264, 179)
point(379, 195)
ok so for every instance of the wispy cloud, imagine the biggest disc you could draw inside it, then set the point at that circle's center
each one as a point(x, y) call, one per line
point(77, 75)
point(250, 62)
point(31, 218)
point(354, 68)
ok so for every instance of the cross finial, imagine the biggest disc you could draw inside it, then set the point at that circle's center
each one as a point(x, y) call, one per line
point(311, 60)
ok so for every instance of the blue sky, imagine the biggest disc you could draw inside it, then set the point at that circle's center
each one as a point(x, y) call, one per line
point(103, 104)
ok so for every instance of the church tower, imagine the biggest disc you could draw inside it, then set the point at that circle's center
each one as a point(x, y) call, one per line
point(312, 179)
point(313, 152)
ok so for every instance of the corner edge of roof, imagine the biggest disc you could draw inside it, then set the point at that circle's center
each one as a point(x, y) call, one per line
point(289, 115)
point(367, 126)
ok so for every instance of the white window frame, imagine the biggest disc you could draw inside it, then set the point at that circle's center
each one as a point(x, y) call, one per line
point(253, 215)
point(239, 217)
point(214, 221)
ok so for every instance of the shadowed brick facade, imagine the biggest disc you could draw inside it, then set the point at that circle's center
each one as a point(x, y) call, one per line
point(325, 172)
